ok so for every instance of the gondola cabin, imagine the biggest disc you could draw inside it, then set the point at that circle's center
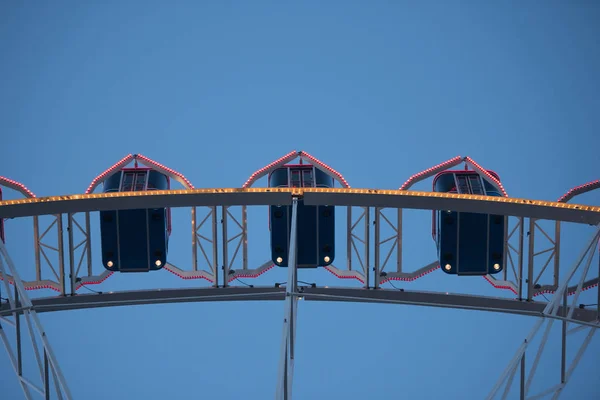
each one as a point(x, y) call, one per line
point(315, 226)
point(1, 222)
point(468, 243)
point(135, 240)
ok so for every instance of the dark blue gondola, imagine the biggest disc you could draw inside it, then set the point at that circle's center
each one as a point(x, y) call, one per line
point(468, 243)
point(315, 226)
point(1, 222)
point(135, 240)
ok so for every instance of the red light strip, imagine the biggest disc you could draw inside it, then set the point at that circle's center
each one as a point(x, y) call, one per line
point(408, 279)
point(430, 172)
point(247, 275)
point(339, 176)
point(570, 293)
point(577, 190)
point(36, 285)
point(166, 169)
point(487, 174)
point(265, 170)
point(340, 276)
point(289, 157)
point(498, 286)
point(118, 165)
point(202, 274)
point(19, 187)
point(94, 282)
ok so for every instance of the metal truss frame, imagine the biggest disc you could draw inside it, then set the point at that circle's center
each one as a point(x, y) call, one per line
point(42, 251)
point(551, 313)
point(80, 239)
point(354, 239)
point(551, 253)
point(381, 275)
point(535, 287)
point(21, 305)
point(557, 309)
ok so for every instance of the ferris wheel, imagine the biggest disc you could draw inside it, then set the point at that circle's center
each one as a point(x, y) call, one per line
point(478, 231)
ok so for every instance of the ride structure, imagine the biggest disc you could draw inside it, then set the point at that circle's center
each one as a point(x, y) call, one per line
point(295, 231)
point(315, 225)
point(1, 222)
point(135, 240)
point(468, 243)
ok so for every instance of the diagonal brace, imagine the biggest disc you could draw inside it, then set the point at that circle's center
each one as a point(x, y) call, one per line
point(33, 319)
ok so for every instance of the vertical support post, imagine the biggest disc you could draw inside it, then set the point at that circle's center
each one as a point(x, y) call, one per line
point(530, 276)
point(72, 277)
point(245, 237)
point(367, 247)
point(215, 265)
point(349, 239)
point(46, 377)
point(18, 328)
point(399, 241)
point(563, 360)
point(506, 250)
point(377, 255)
point(61, 253)
point(88, 243)
point(286, 358)
point(557, 253)
point(36, 247)
point(194, 241)
point(225, 246)
point(521, 255)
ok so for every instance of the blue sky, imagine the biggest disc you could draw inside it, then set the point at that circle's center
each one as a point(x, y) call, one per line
point(379, 91)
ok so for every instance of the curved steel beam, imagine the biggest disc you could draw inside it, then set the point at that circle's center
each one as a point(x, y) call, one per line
point(430, 299)
point(283, 196)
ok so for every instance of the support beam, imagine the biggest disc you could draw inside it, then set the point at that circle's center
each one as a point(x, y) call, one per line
point(550, 314)
point(587, 316)
point(34, 325)
point(286, 358)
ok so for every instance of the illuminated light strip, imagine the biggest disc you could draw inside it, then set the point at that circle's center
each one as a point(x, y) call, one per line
point(158, 165)
point(344, 274)
point(188, 275)
point(182, 202)
point(96, 280)
point(339, 176)
point(408, 193)
point(390, 277)
point(500, 285)
point(248, 275)
point(577, 190)
point(19, 187)
point(571, 290)
point(37, 285)
point(264, 170)
point(430, 172)
point(117, 166)
point(483, 171)
point(180, 192)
